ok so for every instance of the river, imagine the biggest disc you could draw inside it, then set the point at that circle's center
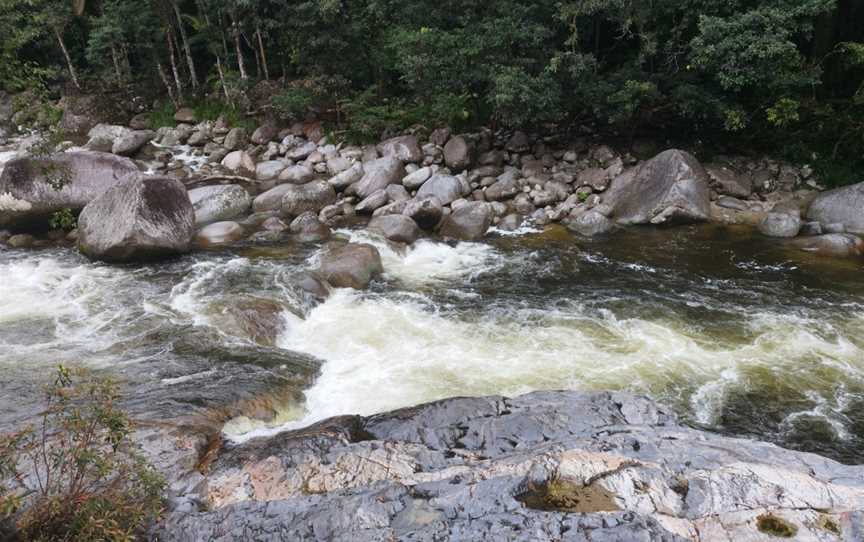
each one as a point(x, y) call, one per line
point(734, 332)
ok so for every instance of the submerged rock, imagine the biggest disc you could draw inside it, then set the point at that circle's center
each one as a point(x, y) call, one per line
point(780, 225)
point(351, 266)
point(139, 219)
point(545, 466)
point(843, 245)
point(220, 233)
point(671, 188)
point(398, 228)
point(31, 189)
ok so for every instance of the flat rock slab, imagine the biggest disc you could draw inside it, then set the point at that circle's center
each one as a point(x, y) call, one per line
point(544, 466)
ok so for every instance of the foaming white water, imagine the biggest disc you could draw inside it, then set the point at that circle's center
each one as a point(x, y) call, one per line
point(384, 353)
point(428, 262)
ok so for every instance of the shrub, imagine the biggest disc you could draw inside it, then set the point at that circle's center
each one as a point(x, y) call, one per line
point(75, 476)
point(63, 219)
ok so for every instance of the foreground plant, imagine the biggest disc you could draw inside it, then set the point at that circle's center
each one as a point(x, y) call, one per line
point(75, 475)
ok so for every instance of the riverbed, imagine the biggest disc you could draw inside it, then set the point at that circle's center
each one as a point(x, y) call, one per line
point(733, 331)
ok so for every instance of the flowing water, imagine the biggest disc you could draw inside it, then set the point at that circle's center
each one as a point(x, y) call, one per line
point(734, 332)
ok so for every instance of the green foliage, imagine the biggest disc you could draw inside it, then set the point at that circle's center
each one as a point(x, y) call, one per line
point(295, 102)
point(76, 476)
point(162, 115)
point(783, 113)
point(63, 219)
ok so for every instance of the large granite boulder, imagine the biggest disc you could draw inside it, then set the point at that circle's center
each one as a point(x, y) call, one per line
point(469, 222)
point(398, 228)
point(141, 218)
point(591, 223)
point(218, 203)
point(547, 466)
point(840, 206)
point(34, 188)
point(459, 153)
point(780, 225)
point(405, 148)
point(426, 212)
point(129, 144)
point(351, 265)
point(671, 188)
point(444, 187)
point(313, 197)
point(377, 175)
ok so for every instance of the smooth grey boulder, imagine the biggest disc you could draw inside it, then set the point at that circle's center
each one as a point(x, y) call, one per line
point(405, 148)
point(415, 180)
point(376, 200)
point(426, 212)
point(265, 133)
point(377, 174)
point(840, 206)
point(131, 143)
point(235, 139)
point(671, 188)
point(269, 170)
point(728, 182)
point(240, 163)
point(348, 177)
point(31, 189)
point(218, 203)
point(398, 228)
point(780, 225)
point(546, 466)
point(591, 223)
point(444, 187)
point(308, 228)
point(141, 218)
point(459, 153)
point(270, 200)
point(351, 265)
point(841, 245)
point(468, 222)
point(504, 189)
point(302, 151)
point(299, 174)
point(220, 233)
point(313, 196)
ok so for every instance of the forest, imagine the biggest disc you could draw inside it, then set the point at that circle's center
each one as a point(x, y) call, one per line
point(780, 76)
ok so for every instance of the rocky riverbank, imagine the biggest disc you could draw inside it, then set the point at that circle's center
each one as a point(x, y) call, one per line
point(544, 466)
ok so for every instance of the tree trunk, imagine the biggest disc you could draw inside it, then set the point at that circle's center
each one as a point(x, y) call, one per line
point(174, 69)
point(186, 48)
point(167, 85)
point(238, 49)
point(116, 60)
point(222, 80)
point(263, 56)
point(72, 73)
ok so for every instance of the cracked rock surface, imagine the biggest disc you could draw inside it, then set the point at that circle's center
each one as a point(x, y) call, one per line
point(543, 466)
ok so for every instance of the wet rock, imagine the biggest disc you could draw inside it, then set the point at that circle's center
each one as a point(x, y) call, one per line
point(308, 228)
point(544, 466)
point(671, 188)
point(404, 148)
point(31, 189)
point(511, 222)
point(426, 212)
point(458, 153)
point(397, 228)
point(21, 240)
point(220, 233)
point(376, 200)
point(257, 319)
point(780, 225)
point(312, 196)
point(842, 245)
point(445, 188)
point(591, 223)
point(131, 143)
point(351, 265)
point(469, 222)
point(138, 219)
point(377, 175)
point(240, 163)
point(839, 206)
point(218, 203)
point(728, 202)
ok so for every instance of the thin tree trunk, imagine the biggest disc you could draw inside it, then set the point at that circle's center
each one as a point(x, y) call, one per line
point(252, 46)
point(116, 60)
point(222, 80)
point(263, 56)
point(174, 69)
point(186, 48)
point(167, 83)
point(238, 49)
point(72, 73)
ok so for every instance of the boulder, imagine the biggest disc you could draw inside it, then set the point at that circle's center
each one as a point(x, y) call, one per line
point(444, 187)
point(405, 148)
point(269, 170)
point(468, 222)
point(185, 115)
point(426, 212)
point(348, 177)
point(220, 233)
point(377, 175)
point(842, 245)
point(398, 228)
point(415, 180)
point(780, 225)
point(591, 223)
point(351, 265)
point(308, 228)
point(728, 182)
point(218, 203)
point(839, 206)
point(302, 151)
point(265, 133)
point(131, 143)
point(504, 189)
point(235, 139)
point(458, 153)
point(671, 188)
point(139, 219)
point(31, 189)
point(375, 201)
point(313, 196)
point(300, 174)
point(257, 319)
point(240, 163)
point(270, 200)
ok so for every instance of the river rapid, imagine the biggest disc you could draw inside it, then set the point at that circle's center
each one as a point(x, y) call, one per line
point(734, 332)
